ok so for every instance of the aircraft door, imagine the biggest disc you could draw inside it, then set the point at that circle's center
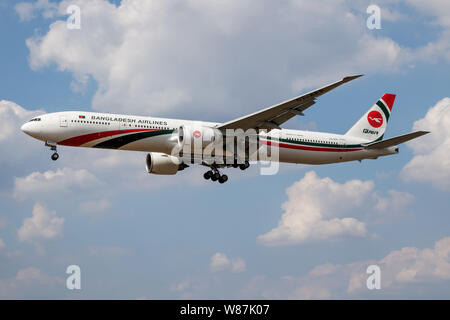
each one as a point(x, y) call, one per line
point(63, 121)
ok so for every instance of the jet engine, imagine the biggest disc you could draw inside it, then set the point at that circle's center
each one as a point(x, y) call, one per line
point(197, 136)
point(161, 163)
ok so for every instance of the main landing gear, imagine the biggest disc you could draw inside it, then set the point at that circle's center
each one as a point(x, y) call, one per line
point(215, 175)
point(244, 165)
point(241, 166)
point(52, 146)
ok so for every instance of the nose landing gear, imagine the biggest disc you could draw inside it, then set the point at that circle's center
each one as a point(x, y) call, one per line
point(55, 156)
point(52, 146)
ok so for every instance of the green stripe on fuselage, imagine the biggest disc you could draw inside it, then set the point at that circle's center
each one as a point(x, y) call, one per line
point(119, 142)
point(315, 144)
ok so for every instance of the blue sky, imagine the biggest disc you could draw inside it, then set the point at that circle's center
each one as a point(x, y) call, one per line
point(136, 235)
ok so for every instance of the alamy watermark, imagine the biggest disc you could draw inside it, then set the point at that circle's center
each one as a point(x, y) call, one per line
point(74, 20)
point(374, 20)
point(374, 280)
point(73, 281)
point(231, 147)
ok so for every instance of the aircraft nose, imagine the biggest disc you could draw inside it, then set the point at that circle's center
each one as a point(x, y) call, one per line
point(32, 129)
point(26, 128)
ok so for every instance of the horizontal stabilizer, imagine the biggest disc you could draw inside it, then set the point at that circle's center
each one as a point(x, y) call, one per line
point(396, 140)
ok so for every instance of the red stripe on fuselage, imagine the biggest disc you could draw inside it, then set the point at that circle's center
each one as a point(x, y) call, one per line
point(309, 148)
point(85, 138)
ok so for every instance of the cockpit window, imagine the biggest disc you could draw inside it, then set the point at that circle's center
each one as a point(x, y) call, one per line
point(35, 119)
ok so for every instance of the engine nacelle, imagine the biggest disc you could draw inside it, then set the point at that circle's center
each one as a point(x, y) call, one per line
point(161, 163)
point(196, 136)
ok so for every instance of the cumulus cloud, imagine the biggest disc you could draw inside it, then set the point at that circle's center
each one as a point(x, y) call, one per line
point(318, 208)
point(28, 283)
point(12, 116)
point(396, 201)
point(221, 262)
point(52, 182)
point(157, 57)
point(431, 161)
point(405, 266)
point(401, 270)
point(28, 10)
point(312, 207)
point(42, 225)
point(437, 8)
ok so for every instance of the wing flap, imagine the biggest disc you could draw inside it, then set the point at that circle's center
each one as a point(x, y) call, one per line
point(396, 140)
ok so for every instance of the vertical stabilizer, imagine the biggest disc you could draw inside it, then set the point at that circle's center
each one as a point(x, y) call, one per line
point(373, 123)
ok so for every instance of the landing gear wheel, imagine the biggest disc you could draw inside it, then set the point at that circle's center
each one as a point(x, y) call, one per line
point(215, 176)
point(223, 178)
point(207, 175)
point(52, 146)
point(244, 165)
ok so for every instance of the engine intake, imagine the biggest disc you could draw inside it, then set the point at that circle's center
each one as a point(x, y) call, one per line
point(161, 163)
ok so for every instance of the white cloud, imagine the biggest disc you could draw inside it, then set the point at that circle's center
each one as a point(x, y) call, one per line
point(311, 292)
point(437, 8)
point(431, 161)
point(396, 202)
point(28, 10)
point(53, 182)
point(25, 10)
point(313, 210)
point(12, 117)
point(401, 271)
point(42, 225)
point(2, 244)
point(220, 262)
point(320, 208)
point(157, 57)
point(410, 265)
point(238, 265)
point(28, 283)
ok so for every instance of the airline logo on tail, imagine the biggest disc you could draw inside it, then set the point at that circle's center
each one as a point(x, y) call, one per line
point(375, 119)
point(372, 124)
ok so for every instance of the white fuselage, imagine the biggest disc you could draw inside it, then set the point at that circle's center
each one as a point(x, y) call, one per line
point(148, 134)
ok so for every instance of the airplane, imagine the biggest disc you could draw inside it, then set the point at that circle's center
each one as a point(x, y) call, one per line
point(159, 137)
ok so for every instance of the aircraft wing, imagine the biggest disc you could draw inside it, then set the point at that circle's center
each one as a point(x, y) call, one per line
point(274, 116)
point(396, 140)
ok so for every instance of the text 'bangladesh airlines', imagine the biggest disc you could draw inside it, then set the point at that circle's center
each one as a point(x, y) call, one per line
point(174, 145)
